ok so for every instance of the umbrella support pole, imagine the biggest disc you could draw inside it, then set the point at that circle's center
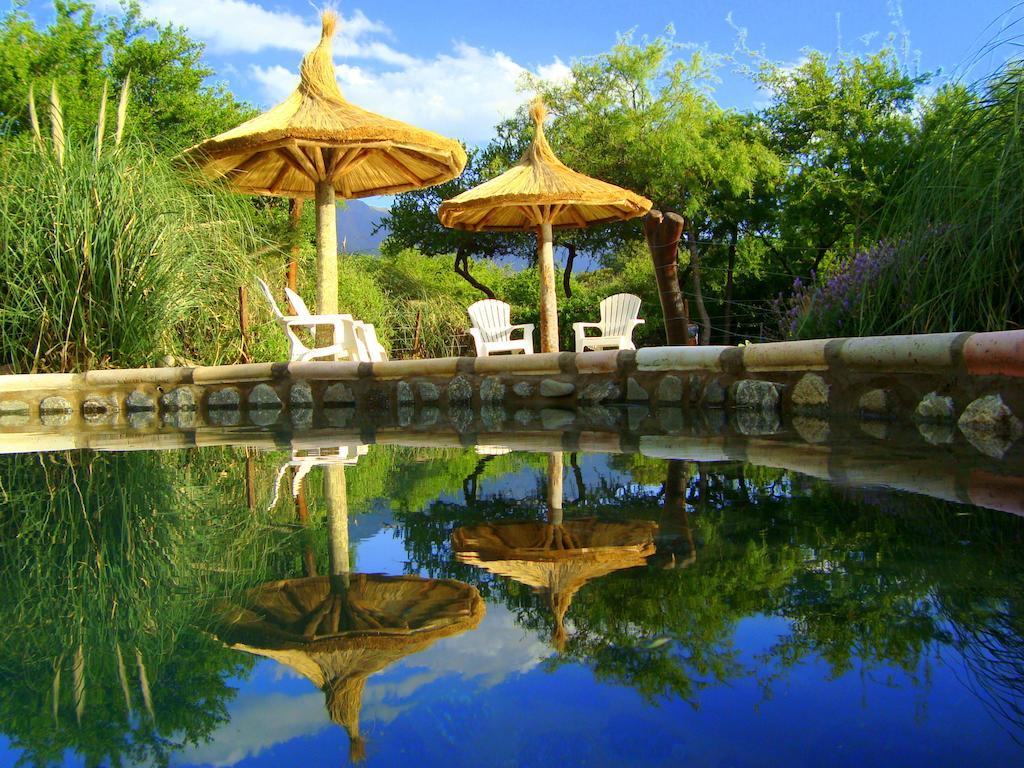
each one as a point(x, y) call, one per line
point(548, 298)
point(326, 255)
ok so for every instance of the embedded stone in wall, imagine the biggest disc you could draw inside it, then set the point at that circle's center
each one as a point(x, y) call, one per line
point(810, 393)
point(714, 393)
point(634, 391)
point(990, 425)
point(552, 388)
point(139, 401)
point(635, 416)
point(755, 421)
point(264, 417)
point(140, 419)
point(525, 417)
point(670, 389)
point(180, 399)
point(179, 419)
point(223, 398)
point(301, 395)
point(406, 413)
point(599, 391)
point(53, 418)
point(100, 406)
point(492, 390)
point(754, 395)
point(936, 433)
point(460, 390)
point(599, 416)
point(263, 397)
point(524, 388)
point(935, 408)
point(55, 404)
point(404, 394)
point(301, 417)
point(340, 416)
point(428, 416)
point(875, 403)
point(671, 420)
point(339, 394)
point(429, 392)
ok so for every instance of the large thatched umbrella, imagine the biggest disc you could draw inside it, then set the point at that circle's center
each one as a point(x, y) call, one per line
point(541, 193)
point(337, 639)
point(317, 144)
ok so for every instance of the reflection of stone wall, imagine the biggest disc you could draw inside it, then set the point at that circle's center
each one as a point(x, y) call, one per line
point(943, 383)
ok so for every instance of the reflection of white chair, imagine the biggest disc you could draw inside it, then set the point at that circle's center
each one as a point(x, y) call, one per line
point(298, 351)
point(304, 459)
point(364, 336)
point(618, 319)
point(492, 329)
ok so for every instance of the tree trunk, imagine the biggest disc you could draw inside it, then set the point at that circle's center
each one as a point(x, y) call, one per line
point(548, 299)
point(733, 237)
point(698, 294)
point(462, 270)
point(568, 270)
point(662, 232)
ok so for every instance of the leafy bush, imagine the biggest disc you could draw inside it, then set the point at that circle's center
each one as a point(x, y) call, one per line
point(111, 256)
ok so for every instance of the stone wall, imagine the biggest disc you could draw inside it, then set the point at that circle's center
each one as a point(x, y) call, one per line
point(943, 385)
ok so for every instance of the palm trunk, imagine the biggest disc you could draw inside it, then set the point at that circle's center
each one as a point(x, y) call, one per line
point(662, 232)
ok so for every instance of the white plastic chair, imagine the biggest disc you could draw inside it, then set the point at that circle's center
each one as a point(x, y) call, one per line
point(303, 459)
point(618, 319)
point(342, 347)
point(364, 345)
point(492, 329)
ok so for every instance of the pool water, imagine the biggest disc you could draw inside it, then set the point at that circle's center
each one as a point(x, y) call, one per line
point(394, 605)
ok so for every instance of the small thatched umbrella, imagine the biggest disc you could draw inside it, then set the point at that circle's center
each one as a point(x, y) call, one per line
point(301, 623)
point(541, 193)
point(556, 560)
point(316, 143)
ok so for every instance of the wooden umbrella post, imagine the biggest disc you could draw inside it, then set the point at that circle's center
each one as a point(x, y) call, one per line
point(326, 256)
point(548, 298)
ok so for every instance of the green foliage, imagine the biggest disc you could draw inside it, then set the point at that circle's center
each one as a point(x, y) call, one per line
point(172, 105)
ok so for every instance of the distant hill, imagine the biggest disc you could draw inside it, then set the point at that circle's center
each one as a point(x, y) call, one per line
point(356, 221)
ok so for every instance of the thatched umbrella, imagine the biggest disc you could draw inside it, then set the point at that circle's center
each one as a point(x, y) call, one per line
point(317, 144)
point(301, 623)
point(556, 560)
point(541, 193)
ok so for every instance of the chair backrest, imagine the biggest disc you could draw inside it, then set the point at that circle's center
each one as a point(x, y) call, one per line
point(616, 313)
point(270, 299)
point(297, 303)
point(492, 318)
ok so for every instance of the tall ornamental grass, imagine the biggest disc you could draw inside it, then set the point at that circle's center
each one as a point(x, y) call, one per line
point(112, 255)
point(957, 228)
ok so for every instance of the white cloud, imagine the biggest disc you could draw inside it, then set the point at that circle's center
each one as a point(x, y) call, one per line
point(462, 94)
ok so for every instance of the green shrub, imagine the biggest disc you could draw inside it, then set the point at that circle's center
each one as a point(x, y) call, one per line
point(116, 258)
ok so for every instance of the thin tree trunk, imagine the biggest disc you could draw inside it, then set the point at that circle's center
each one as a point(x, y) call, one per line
point(733, 237)
point(462, 270)
point(662, 232)
point(548, 298)
point(568, 270)
point(698, 294)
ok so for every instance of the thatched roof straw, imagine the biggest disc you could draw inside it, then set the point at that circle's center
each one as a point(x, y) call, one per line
point(556, 560)
point(317, 135)
point(540, 188)
point(337, 638)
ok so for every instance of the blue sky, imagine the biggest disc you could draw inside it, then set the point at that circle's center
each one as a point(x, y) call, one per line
point(454, 65)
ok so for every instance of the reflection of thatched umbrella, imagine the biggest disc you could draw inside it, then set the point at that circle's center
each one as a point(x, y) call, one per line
point(541, 193)
point(556, 560)
point(302, 623)
point(315, 143)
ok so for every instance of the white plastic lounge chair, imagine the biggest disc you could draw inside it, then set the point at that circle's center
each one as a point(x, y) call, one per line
point(304, 459)
point(492, 329)
point(364, 345)
point(618, 319)
point(342, 347)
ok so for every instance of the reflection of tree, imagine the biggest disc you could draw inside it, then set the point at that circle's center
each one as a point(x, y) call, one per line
point(869, 579)
point(105, 562)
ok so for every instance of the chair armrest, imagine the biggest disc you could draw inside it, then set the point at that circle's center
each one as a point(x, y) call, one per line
point(578, 327)
point(316, 319)
point(527, 329)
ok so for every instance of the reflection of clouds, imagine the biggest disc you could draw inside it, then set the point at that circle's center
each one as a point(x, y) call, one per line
point(487, 655)
point(258, 722)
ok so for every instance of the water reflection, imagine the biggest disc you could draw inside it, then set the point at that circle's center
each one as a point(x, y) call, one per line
point(556, 557)
point(115, 567)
